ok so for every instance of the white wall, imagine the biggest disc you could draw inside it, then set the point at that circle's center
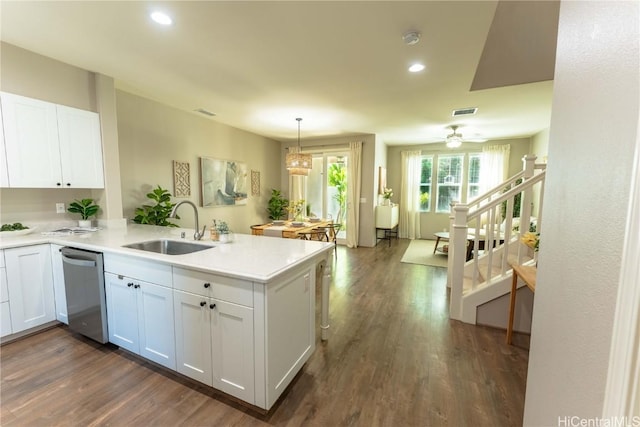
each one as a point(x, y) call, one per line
point(152, 135)
point(431, 222)
point(594, 129)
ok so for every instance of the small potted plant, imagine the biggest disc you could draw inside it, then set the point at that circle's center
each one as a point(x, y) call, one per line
point(86, 208)
point(224, 234)
point(387, 193)
point(277, 206)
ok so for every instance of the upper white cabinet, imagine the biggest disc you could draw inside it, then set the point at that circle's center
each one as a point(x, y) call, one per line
point(49, 145)
point(4, 174)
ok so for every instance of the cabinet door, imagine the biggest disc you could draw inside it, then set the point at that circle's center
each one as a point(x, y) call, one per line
point(30, 283)
point(80, 147)
point(31, 142)
point(193, 336)
point(155, 323)
point(232, 349)
point(122, 312)
point(4, 173)
point(58, 284)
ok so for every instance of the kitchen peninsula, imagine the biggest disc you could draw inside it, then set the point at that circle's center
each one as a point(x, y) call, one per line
point(240, 316)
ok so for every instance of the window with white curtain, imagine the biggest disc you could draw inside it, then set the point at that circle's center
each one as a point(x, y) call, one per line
point(473, 188)
point(449, 184)
point(425, 183)
point(450, 177)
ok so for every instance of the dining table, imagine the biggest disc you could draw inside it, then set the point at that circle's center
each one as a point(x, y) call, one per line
point(289, 229)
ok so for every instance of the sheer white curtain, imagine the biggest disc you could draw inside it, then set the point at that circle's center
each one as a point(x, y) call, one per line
point(409, 221)
point(494, 167)
point(354, 183)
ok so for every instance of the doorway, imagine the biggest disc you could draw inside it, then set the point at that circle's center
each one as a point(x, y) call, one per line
point(327, 188)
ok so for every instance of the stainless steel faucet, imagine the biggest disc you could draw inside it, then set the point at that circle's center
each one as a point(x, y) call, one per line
point(197, 235)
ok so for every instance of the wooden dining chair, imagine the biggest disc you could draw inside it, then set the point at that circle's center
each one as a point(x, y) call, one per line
point(331, 230)
point(318, 235)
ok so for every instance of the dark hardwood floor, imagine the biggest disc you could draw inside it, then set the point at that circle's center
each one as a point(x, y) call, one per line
point(393, 359)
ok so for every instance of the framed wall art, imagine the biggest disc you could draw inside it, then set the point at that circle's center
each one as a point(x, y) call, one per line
point(255, 183)
point(181, 179)
point(224, 182)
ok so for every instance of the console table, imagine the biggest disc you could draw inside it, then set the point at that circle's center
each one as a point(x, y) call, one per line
point(528, 275)
point(387, 222)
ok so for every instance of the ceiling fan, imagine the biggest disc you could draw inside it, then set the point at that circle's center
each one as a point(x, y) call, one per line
point(455, 140)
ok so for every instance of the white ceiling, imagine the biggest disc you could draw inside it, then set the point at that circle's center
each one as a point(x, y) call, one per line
point(340, 65)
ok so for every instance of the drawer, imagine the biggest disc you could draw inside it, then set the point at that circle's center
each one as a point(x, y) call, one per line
point(136, 268)
point(236, 291)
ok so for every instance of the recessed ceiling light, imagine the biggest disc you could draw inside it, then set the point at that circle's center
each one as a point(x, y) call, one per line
point(161, 18)
point(416, 68)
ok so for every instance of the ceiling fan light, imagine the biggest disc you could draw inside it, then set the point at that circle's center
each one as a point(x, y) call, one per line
point(454, 141)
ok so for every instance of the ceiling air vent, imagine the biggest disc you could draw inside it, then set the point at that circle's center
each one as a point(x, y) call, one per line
point(205, 112)
point(464, 111)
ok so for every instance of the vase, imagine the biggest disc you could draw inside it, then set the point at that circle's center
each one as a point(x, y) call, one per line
point(84, 223)
point(386, 202)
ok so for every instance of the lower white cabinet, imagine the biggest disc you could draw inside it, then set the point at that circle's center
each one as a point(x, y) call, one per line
point(140, 318)
point(5, 310)
point(58, 284)
point(214, 343)
point(30, 286)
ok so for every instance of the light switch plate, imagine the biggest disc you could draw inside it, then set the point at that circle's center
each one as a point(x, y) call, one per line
point(60, 208)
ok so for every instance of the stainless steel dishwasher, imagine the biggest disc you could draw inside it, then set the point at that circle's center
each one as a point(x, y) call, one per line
point(84, 285)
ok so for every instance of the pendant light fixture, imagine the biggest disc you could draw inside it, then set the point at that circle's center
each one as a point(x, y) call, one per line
point(298, 163)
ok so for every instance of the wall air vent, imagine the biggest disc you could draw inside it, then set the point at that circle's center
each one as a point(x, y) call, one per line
point(205, 112)
point(464, 111)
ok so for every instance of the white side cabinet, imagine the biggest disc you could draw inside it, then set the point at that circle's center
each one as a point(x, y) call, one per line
point(30, 285)
point(49, 145)
point(4, 174)
point(215, 331)
point(59, 292)
point(139, 313)
point(5, 310)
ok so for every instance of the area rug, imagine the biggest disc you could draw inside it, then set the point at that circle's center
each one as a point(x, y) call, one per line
point(421, 252)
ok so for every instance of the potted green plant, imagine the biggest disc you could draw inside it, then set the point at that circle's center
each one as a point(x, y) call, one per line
point(224, 234)
point(86, 208)
point(277, 206)
point(156, 214)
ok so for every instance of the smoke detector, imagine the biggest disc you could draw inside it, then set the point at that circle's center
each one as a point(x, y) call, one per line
point(411, 38)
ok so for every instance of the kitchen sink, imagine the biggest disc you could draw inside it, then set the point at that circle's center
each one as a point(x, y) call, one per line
point(168, 247)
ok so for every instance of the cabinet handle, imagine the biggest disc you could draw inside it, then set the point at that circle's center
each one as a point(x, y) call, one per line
point(206, 285)
point(68, 184)
point(136, 286)
point(212, 306)
point(130, 284)
point(58, 184)
point(203, 303)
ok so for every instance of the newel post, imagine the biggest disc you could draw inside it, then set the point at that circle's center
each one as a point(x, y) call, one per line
point(458, 255)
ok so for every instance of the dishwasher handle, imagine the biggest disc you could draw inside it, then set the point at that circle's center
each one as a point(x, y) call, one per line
point(78, 262)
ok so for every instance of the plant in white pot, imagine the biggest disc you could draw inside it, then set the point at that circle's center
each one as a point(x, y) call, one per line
point(86, 208)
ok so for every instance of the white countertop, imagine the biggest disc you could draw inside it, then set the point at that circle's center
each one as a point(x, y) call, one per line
point(257, 258)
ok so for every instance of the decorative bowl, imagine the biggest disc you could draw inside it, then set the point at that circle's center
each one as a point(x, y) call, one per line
point(278, 222)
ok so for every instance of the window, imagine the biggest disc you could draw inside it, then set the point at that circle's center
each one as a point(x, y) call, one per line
point(473, 190)
point(425, 183)
point(449, 181)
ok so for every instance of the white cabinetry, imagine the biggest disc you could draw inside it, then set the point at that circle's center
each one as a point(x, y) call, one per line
point(139, 313)
point(214, 331)
point(4, 174)
point(387, 216)
point(5, 312)
point(58, 284)
point(30, 285)
point(49, 145)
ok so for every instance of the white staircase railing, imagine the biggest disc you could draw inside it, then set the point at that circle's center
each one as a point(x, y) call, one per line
point(485, 239)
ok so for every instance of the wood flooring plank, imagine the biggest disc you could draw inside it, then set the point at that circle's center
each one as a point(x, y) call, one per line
point(394, 358)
